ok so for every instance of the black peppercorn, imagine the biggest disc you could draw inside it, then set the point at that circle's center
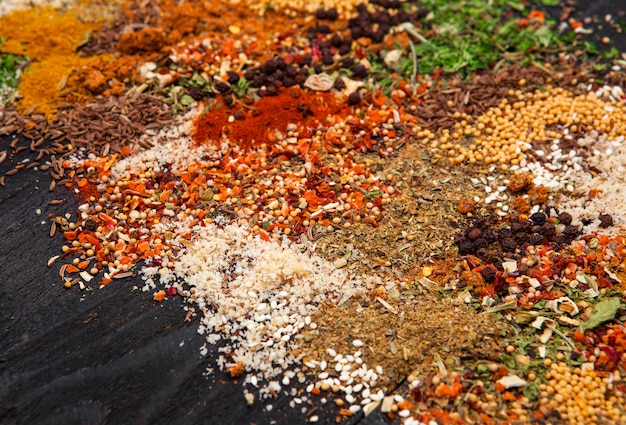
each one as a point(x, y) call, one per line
point(327, 60)
point(489, 234)
point(300, 79)
point(378, 36)
point(357, 32)
point(258, 81)
point(320, 13)
point(535, 239)
point(339, 84)
point(483, 254)
point(570, 232)
point(306, 59)
point(520, 237)
point(233, 77)
point(344, 49)
point(508, 245)
point(347, 62)
point(222, 87)
point(605, 220)
point(548, 230)
point(527, 225)
point(474, 233)
point(505, 233)
point(465, 247)
point(332, 14)
point(538, 218)
point(359, 71)
point(488, 274)
point(323, 29)
point(90, 225)
point(228, 99)
point(291, 71)
point(565, 218)
point(480, 243)
point(354, 98)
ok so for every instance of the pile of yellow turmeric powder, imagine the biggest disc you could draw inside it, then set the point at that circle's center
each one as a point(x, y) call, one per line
point(49, 38)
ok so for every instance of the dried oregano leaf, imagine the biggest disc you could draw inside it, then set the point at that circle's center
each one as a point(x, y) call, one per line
point(603, 311)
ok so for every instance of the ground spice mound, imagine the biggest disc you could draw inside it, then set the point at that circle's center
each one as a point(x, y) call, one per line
point(256, 124)
point(49, 38)
point(259, 294)
point(405, 333)
point(145, 40)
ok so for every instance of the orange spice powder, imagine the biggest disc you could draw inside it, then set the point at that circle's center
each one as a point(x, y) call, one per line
point(259, 122)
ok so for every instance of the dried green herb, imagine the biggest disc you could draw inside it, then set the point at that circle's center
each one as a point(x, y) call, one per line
point(604, 311)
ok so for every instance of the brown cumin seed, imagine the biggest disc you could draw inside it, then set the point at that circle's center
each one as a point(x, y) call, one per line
point(53, 184)
point(2, 181)
point(53, 228)
point(3, 156)
point(56, 202)
point(12, 171)
point(32, 165)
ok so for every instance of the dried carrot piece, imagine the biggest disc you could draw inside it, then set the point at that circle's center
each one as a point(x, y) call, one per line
point(159, 296)
point(72, 268)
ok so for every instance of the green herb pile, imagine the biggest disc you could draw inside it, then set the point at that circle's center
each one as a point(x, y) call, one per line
point(9, 75)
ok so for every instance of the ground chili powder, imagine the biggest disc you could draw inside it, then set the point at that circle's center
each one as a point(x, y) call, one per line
point(256, 124)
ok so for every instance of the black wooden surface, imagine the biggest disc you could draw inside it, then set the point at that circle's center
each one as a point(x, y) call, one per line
point(114, 356)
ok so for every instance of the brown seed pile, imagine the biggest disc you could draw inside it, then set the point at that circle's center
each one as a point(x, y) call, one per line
point(443, 106)
point(106, 125)
point(109, 124)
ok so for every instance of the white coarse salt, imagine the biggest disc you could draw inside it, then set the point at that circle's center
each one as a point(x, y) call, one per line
point(404, 413)
point(314, 418)
point(354, 408)
point(357, 343)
